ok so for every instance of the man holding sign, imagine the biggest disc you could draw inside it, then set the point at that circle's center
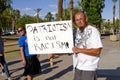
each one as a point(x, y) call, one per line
point(87, 49)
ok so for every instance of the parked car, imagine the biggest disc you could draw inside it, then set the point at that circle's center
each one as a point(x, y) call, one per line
point(6, 33)
point(12, 32)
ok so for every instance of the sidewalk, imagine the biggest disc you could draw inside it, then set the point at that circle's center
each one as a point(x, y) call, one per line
point(109, 66)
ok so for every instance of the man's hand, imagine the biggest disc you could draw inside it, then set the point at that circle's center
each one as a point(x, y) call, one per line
point(76, 50)
point(24, 62)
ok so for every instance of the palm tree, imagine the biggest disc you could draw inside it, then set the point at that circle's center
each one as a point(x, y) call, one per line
point(5, 4)
point(37, 12)
point(114, 10)
point(60, 9)
point(113, 37)
point(49, 16)
point(15, 14)
point(71, 9)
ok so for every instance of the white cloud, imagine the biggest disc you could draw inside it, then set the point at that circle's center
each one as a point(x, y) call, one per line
point(27, 9)
point(53, 6)
point(53, 13)
point(35, 14)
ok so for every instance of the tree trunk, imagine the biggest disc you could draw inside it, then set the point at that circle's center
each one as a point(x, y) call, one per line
point(114, 14)
point(114, 10)
point(13, 24)
point(71, 9)
point(60, 9)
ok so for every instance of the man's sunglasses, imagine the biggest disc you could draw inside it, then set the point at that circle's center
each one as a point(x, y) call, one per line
point(20, 31)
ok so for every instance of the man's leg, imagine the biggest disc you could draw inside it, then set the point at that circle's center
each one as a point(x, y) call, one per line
point(6, 70)
point(77, 75)
point(89, 75)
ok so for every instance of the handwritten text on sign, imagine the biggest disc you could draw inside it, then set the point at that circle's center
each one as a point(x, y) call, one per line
point(50, 37)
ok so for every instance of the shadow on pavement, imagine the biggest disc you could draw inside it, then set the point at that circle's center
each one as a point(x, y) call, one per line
point(47, 65)
point(56, 76)
point(14, 62)
point(109, 74)
point(48, 70)
point(44, 61)
point(12, 51)
point(15, 70)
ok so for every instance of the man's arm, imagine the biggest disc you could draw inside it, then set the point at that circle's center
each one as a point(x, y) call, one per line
point(92, 51)
point(23, 56)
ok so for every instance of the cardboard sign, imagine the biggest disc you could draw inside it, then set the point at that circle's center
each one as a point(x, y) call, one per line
point(50, 37)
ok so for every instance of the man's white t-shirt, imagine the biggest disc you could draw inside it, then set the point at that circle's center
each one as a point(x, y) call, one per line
point(89, 38)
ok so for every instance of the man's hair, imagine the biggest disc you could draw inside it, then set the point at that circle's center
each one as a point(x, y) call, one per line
point(79, 11)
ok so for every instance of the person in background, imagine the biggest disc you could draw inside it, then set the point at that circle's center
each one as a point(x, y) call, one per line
point(30, 61)
point(3, 63)
point(87, 49)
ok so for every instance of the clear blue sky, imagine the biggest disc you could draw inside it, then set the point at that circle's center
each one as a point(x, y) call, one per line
point(29, 6)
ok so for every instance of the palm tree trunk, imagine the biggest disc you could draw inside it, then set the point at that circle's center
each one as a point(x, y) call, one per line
point(114, 9)
point(60, 9)
point(13, 21)
point(71, 9)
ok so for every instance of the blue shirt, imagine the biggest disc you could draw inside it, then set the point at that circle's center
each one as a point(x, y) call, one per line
point(22, 42)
